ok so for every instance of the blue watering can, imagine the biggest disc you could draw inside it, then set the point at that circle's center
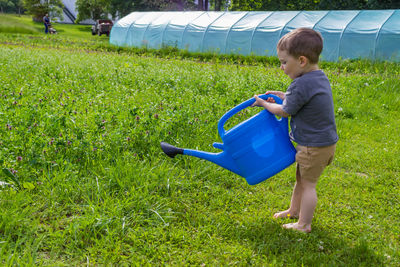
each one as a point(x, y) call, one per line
point(255, 149)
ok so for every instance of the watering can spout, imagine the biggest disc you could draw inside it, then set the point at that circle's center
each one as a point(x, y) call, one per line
point(222, 159)
point(170, 150)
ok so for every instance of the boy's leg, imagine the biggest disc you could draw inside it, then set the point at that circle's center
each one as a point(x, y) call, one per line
point(311, 162)
point(308, 204)
point(295, 202)
point(294, 210)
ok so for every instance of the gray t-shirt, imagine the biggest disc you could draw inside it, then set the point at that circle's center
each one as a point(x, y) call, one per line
point(309, 102)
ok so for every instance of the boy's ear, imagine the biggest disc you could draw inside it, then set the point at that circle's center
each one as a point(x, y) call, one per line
point(303, 60)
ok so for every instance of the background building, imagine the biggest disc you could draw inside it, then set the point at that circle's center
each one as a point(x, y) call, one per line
point(70, 13)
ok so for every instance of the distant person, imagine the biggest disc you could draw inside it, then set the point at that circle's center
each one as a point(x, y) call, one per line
point(46, 21)
point(308, 101)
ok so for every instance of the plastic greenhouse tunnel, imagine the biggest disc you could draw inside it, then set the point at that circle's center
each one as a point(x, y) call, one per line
point(372, 34)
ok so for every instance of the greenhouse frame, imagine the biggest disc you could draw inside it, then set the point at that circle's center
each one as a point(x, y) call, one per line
point(350, 34)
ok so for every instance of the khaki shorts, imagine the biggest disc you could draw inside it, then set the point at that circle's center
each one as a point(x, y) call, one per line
point(311, 161)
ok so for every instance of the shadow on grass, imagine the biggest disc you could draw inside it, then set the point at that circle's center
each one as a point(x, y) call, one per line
point(319, 248)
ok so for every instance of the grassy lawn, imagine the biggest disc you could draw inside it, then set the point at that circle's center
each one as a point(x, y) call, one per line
point(84, 181)
point(11, 23)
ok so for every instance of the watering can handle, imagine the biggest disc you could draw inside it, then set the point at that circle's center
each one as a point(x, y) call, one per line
point(240, 107)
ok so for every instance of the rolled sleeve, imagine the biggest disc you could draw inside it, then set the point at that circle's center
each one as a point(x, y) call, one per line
point(294, 100)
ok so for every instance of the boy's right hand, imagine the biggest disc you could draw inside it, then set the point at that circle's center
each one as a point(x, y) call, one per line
point(279, 94)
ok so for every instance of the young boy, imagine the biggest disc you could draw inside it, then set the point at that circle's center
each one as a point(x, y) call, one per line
point(308, 101)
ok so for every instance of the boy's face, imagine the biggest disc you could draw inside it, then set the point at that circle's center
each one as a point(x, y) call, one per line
point(291, 66)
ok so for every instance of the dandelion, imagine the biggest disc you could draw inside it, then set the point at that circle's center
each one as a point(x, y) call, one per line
point(288, 215)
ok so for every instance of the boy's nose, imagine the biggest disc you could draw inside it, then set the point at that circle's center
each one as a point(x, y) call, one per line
point(281, 67)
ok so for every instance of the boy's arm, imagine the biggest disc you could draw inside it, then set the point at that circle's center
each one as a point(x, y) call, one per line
point(274, 108)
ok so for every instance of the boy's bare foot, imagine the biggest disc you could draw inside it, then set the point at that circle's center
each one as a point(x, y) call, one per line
point(285, 214)
point(297, 227)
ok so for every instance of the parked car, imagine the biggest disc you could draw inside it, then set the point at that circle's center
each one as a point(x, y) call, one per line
point(102, 26)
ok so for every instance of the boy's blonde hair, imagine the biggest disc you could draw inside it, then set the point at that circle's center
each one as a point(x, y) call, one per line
point(302, 42)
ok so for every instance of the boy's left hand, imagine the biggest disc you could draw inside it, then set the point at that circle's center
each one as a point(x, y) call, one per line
point(258, 102)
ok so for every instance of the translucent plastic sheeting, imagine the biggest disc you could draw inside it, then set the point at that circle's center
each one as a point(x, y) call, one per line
point(195, 31)
point(388, 41)
point(373, 34)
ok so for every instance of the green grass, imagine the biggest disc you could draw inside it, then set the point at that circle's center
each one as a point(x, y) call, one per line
point(17, 24)
point(80, 128)
point(14, 24)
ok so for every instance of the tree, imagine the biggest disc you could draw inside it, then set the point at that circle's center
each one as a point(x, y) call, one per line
point(272, 5)
point(203, 5)
point(39, 8)
point(5, 5)
point(122, 8)
point(171, 5)
point(217, 5)
point(92, 9)
point(19, 5)
point(247, 5)
point(11, 6)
